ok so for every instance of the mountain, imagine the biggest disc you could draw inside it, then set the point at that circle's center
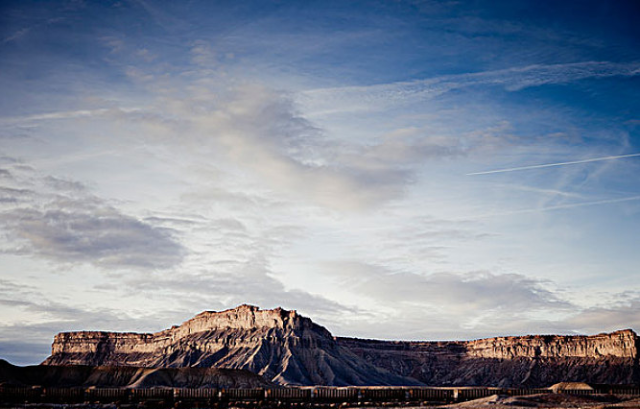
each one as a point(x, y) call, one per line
point(289, 349)
point(528, 361)
point(130, 377)
point(282, 346)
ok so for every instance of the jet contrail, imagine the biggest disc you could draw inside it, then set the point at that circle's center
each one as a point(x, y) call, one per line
point(557, 207)
point(549, 165)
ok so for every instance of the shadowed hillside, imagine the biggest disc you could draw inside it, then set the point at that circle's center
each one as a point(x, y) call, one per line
point(126, 376)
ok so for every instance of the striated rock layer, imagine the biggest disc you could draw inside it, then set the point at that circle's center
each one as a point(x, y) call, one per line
point(289, 349)
point(531, 361)
point(280, 345)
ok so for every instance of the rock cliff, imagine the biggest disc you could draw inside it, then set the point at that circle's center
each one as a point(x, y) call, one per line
point(531, 361)
point(289, 349)
point(279, 345)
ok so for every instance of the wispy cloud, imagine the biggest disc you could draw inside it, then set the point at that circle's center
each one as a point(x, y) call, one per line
point(461, 293)
point(159, 16)
point(258, 129)
point(82, 113)
point(16, 35)
point(558, 207)
point(37, 317)
point(30, 27)
point(542, 191)
point(385, 96)
point(550, 165)
point(445, 303)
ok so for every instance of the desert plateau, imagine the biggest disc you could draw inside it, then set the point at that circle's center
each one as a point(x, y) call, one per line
point(247, 356)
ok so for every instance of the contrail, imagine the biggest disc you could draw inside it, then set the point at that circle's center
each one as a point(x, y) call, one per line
point(559, 207)
point(549, 165)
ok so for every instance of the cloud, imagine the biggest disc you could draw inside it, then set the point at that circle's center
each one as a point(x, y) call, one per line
point(620, 314)
point(549, 165)
point(258, 133)
point(542, 191)
point(37, 317)
point(262, 132)
point(64, 185)
point(18, 351)
point(114, 44)
point(61, 115)
point(229, 263)
point(203, 55)
point(60, 220)
point(261, 135)
point(401, 150)
point(14, 195)
point(385, 96)
point(162, 18)
point(35, 23)
point(444, 305)
point(101, 236)
point(26, 339)
point(464, 293)
point(557, 207)
point(246, 278)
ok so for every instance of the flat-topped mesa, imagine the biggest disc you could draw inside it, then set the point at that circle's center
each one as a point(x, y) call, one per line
point(290, 349)
point(207, 334)
point(243, 323)
point(620, 344)
point(280, 345)
point(532, 360)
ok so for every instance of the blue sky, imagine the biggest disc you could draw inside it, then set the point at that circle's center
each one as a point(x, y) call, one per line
point(380, 166)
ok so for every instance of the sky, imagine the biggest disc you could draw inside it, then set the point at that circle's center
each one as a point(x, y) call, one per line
point(412, 170)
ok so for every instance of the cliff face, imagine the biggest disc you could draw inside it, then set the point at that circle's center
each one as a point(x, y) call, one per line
point(280, 345)
point(530, 361)
point(620, 344)
point(287, 348)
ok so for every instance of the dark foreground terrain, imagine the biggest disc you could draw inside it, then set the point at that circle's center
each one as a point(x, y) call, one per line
point(84, 376)
point(496, 401)
point(78, 386)
point(318, 397)
point(549, 401)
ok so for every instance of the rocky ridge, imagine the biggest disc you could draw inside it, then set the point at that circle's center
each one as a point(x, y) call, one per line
point(282, 346)
point(289, 349)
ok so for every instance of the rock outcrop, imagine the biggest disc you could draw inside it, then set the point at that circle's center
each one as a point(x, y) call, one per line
point(530, 361)
point(126, 377)
point(289, 349)
point(282, 346)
